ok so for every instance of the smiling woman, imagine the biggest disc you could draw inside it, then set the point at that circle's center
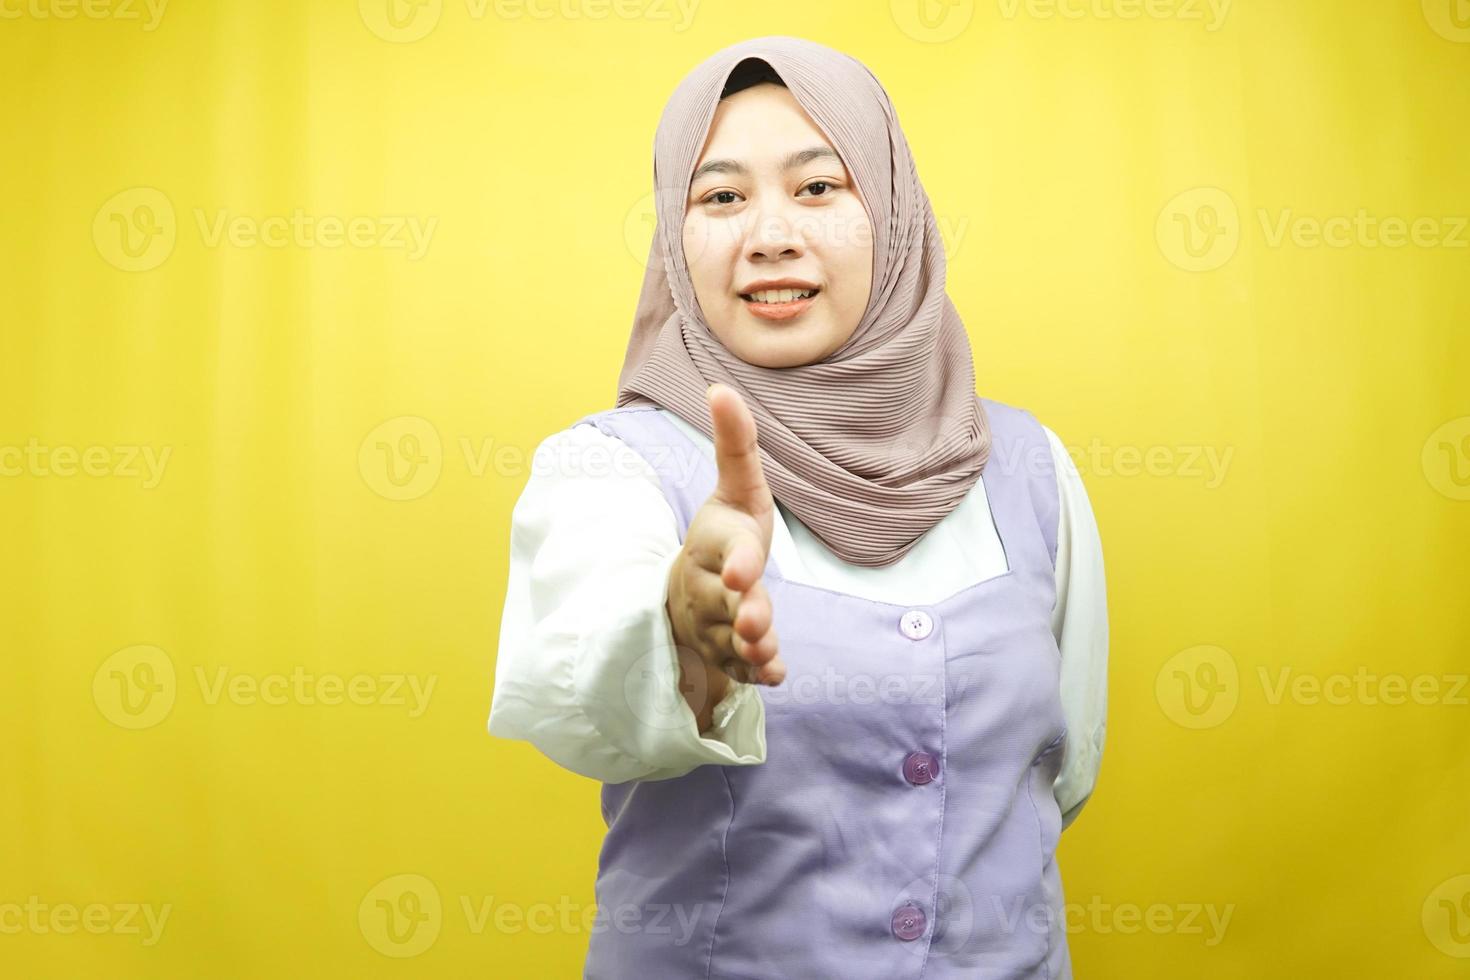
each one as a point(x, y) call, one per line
point(799, 449)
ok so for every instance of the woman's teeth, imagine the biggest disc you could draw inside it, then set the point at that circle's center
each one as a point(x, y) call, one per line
point(780, 295)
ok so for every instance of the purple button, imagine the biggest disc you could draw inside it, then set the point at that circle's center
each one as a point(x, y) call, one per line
point(920, 768)
point(908, 922)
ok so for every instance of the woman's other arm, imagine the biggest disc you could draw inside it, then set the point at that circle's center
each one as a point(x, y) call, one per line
point(1080, 623)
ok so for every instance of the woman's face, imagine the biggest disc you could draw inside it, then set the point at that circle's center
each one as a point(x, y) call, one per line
point(771, 207)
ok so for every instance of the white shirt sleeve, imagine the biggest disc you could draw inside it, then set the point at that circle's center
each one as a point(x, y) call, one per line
point(1080, 623)
point(586, 668)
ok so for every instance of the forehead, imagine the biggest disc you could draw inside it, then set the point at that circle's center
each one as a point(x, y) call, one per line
point(762, 125)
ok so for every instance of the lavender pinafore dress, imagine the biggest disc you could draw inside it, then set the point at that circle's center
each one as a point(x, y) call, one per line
point(903, 824)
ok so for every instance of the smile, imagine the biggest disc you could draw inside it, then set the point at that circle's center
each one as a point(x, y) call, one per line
point(779, 304)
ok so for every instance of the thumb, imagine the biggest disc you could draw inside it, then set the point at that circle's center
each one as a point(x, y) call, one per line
point(741, 483)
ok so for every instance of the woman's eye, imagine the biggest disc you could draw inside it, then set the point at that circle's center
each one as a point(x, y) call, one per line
point(712, 199)
point(820, 183)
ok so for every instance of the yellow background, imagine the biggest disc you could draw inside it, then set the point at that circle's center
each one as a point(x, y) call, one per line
point(1067, 152)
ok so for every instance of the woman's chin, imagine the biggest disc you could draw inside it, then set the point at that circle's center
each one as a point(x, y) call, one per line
point(777, 343)
point(780, 352)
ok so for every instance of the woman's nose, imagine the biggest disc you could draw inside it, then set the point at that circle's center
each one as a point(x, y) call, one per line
point(774, 235)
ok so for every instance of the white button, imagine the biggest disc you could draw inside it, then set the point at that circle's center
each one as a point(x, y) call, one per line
point(916, 624)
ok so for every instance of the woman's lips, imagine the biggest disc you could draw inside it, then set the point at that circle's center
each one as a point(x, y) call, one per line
point(780, 311)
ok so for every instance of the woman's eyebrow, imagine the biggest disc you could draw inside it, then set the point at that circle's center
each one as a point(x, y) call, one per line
point(793, 161)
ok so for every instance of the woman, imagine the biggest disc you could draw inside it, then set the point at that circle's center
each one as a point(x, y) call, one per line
point(798, 452)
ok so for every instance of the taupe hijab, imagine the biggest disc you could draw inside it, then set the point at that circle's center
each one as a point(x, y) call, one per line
point(876, 443)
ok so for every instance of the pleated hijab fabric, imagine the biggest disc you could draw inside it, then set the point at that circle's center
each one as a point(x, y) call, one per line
point(879, 441)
